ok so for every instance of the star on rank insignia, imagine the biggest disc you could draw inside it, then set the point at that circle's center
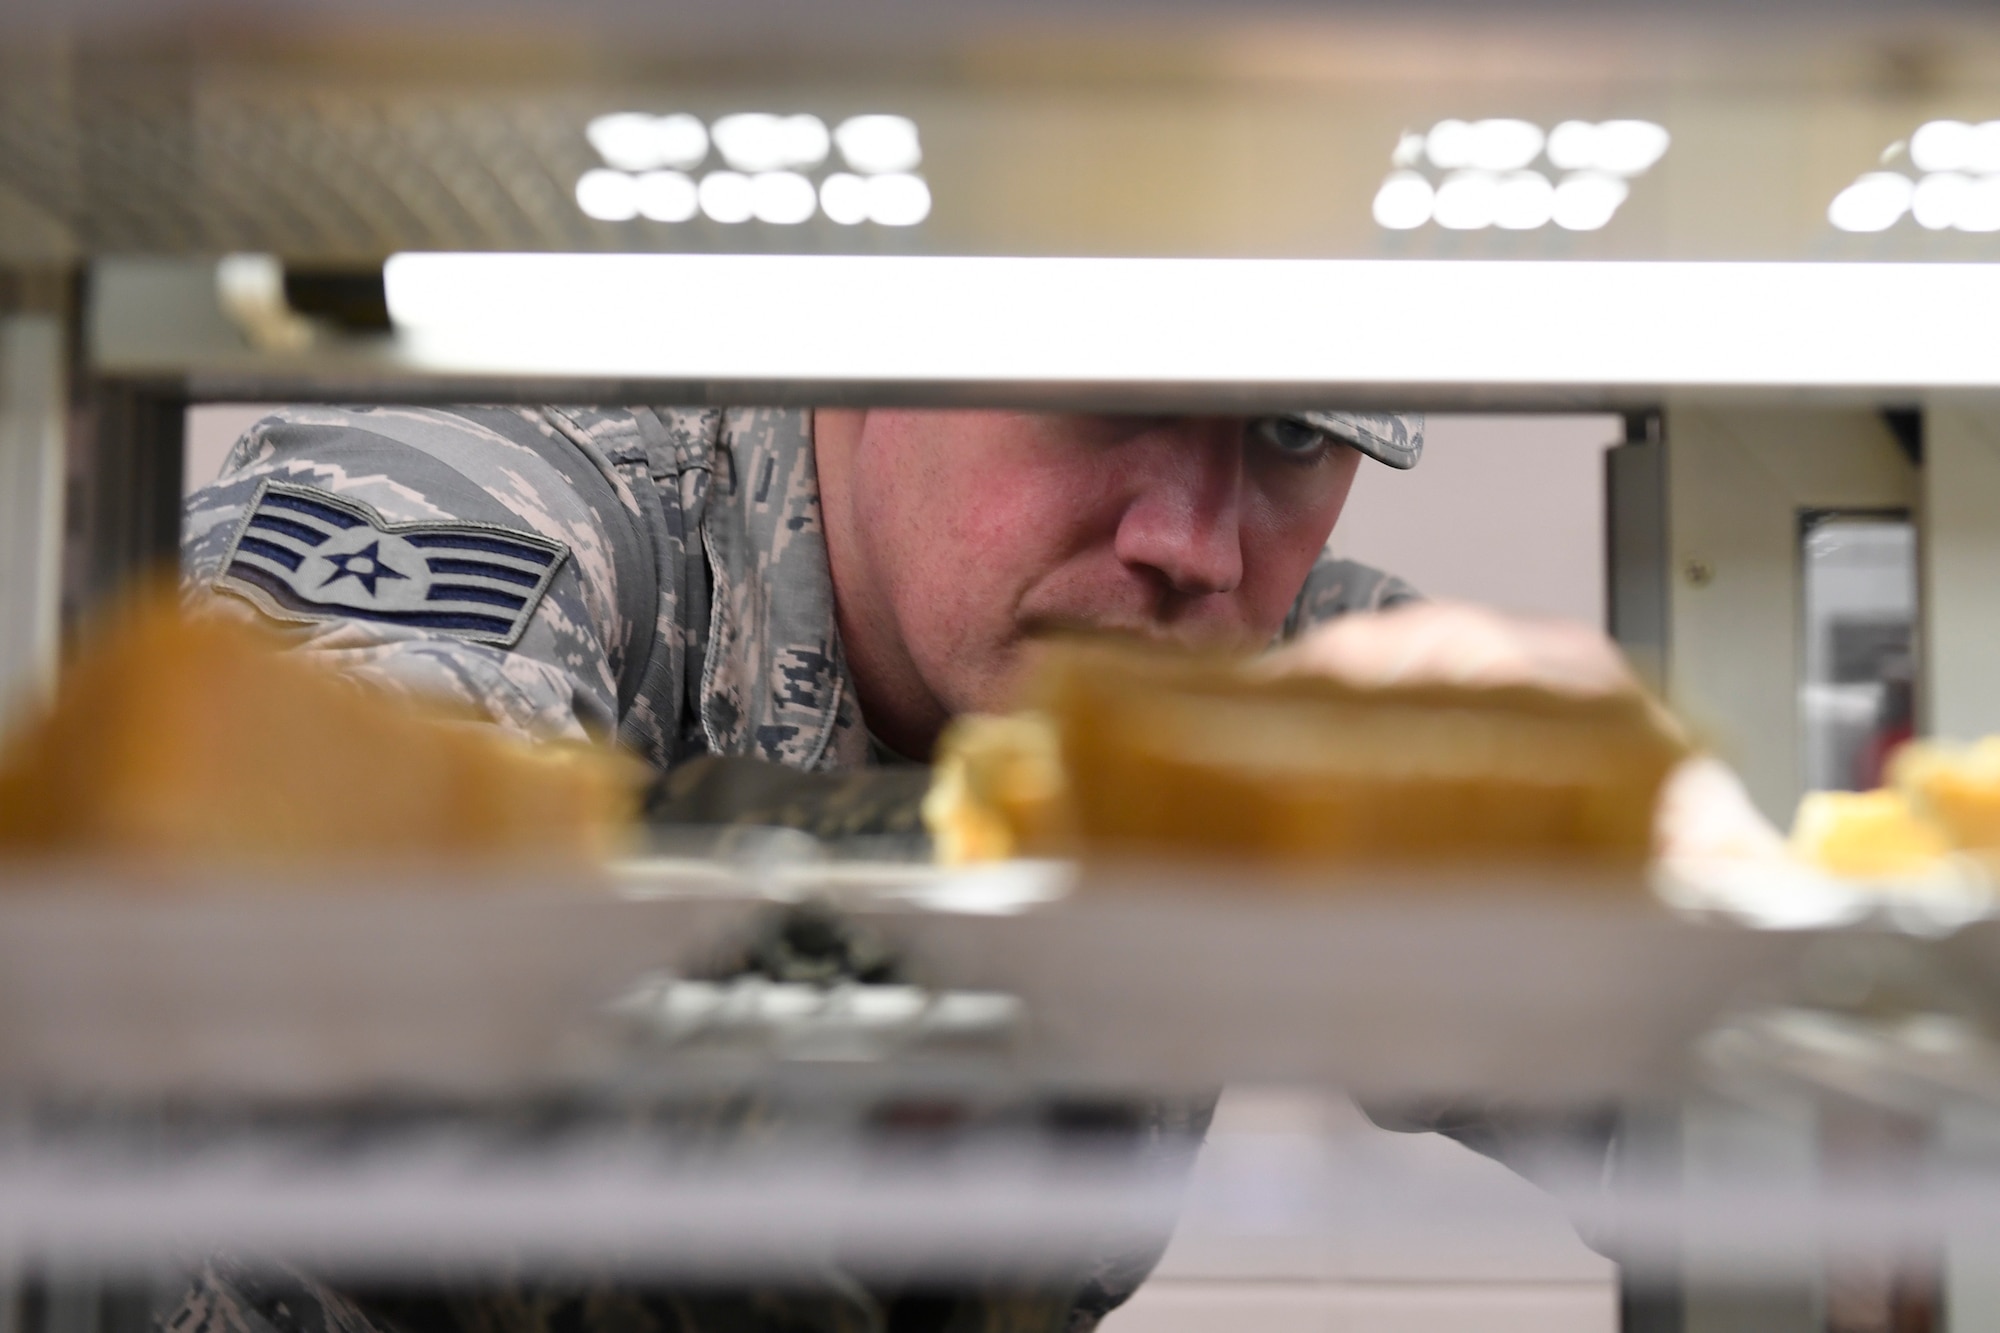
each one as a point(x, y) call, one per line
point(366, 567)
point(306, 554)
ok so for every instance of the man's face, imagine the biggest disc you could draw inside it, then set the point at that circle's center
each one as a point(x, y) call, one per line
point(957, 536)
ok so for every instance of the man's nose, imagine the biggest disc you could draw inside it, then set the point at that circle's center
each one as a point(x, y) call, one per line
point(1184, 517)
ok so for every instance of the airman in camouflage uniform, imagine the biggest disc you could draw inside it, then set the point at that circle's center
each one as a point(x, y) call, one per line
point(656, 575)
point(691, 609)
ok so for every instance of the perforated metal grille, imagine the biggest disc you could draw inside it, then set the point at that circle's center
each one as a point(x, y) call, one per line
point(143, 162)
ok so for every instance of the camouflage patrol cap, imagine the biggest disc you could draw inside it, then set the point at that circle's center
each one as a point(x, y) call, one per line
point(1395, 438)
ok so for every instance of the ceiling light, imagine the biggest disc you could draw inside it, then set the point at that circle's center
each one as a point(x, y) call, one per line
point(725, 196)
point(1504, 145)
point(749, 141)
point(1524, 201)
point(1449, 145)
point(805, 140)
point(1013, 326)
point(879, 143)
point(1619, 147)
point(758, 141)
point(667, 196)
point(1983, 148)
point(1953, 145)
point(608, 196)
point(1467, 200)
point(1489, 180)
point(1875, 202)
point(897, 199)
point(1573, 145)
point(783, 197)
point(1404, 201)
point(634, 141)
point(843, 197)
point(625, 140)
point(1585, 200)
point(681, 140)
point(1938, 198)
point(1979, 206)
point(1630, 147)
point(1941, 145)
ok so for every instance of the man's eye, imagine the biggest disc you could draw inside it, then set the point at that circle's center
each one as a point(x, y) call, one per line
point(1294, 439)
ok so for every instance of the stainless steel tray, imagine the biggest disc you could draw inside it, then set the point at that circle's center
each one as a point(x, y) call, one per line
point(1164, 978)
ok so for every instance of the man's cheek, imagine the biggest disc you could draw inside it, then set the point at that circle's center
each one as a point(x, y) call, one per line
point(962, 616)
point(1274, 575)
point(1004, 523)
point(975, 670)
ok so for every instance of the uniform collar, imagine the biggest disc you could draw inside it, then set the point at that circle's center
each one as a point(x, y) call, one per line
point(775, 683)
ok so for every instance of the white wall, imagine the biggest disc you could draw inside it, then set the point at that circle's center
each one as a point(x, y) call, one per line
point(211, 429)
point(1507, 510)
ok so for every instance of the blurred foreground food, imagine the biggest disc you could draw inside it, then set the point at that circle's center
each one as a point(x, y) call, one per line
point(196, 740)
point(1941, 799)
point(1130, 751)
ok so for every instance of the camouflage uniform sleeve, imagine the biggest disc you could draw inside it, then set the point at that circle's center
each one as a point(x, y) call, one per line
point(1338, 587)
point(224, 1297)
point(479, 555)
point(742, 790)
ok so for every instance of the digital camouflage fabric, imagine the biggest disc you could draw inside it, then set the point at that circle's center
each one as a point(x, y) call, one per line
point(689, 614)
point(1395, 438)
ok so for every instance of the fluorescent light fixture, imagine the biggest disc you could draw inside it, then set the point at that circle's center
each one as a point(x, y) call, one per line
point(625, 140)
point(1983, 152)
point(1619, 147)
point(1629, 147)
point(1467, 201)
point(634, 141)
point(1449, 145)
point(879, 143)
point(1938, 199)
point(1489, 185)
point(1953, 145)
point(843, 197)
point(667, 196)
point(726, 196)
point(608, 196)
point(1958, 191)
point(783, 197)
point(1586, 200)
point(898, 199)
point(1979, 208)
point(894, 199)
point(1941, 145)
point(895, 320)
point(1875, 202)
point(680, 140)
point(1523, 201)
point(1504, 145)
point(756, 141)
point(1404, 201)
point(786, 198)
point(1573, 146)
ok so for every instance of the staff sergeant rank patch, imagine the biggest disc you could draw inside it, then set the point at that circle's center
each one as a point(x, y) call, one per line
point(305, 554)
